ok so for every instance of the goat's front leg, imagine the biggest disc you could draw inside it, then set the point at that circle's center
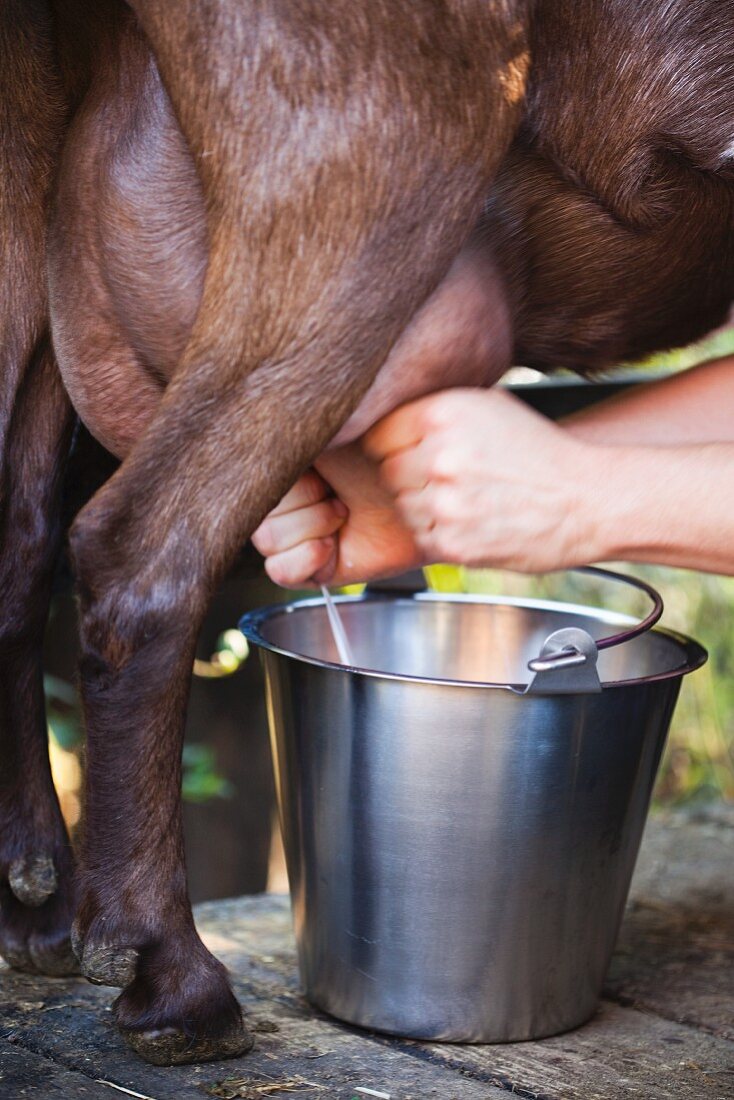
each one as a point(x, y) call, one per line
point(148, 551)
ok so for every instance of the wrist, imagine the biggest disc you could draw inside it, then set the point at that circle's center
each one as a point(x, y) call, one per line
point(610, 505)
point(626, 503)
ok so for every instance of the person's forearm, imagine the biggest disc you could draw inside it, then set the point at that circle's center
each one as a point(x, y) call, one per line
point(695, 406)
point(667, 505)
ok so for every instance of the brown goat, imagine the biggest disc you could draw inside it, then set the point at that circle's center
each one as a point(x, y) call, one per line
point(219, 221)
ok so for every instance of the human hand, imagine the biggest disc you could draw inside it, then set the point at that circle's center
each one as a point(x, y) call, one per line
point(481, 479)
point(337, 525)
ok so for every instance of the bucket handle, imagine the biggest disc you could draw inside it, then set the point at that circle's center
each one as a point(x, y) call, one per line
point(566, 663)
point(634, 582)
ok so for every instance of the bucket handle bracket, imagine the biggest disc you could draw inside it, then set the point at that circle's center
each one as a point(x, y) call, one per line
point(566, 664)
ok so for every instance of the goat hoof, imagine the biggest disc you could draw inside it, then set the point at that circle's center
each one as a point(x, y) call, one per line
point(53, 955)
point(170, 1047)
point(32, 879)
point(39, 952)
point(180, 1008)
point(37, 906)
point(19, 958)
point(109, 965)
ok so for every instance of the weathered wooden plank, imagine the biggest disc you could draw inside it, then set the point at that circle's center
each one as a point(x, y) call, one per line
point(621, 1053)
point(69, 1022)
point(675, 955)
point(23, 1073)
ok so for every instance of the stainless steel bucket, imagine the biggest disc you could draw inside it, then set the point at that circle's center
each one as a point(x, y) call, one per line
point(460, 849)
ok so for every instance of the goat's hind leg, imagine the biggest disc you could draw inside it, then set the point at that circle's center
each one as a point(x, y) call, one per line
point(36, 867)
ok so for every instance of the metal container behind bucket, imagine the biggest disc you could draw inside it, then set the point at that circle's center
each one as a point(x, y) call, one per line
point(459, 853)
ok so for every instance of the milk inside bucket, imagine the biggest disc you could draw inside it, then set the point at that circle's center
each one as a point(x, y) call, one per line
point(462, 812)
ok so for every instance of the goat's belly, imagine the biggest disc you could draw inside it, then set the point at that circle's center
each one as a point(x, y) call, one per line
point(127, 258)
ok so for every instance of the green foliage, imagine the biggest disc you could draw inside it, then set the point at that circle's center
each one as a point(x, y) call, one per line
point(717, 344)
point(231, 651)
point(699, 761)
point(63, 711)
point(201, 780)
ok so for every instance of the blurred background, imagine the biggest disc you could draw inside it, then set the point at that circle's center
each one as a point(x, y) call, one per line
point(232, 837)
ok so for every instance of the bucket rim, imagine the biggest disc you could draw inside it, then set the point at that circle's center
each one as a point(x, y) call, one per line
point(694, 654)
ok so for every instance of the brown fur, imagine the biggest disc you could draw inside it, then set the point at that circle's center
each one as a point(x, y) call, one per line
point(256, 207)
point(34, 434)
point(613, 215)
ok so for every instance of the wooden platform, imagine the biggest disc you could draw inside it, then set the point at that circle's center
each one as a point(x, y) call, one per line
point(665, 1028)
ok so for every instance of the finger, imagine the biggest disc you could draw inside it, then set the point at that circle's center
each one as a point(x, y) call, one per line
point(420, 419)
point(309, 489)
point(297, 567)
point(405, 427)
point(407, 469)
point(325, 573)
point(279, 532)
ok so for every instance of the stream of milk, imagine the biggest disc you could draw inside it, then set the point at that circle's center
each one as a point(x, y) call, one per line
point(337, 629)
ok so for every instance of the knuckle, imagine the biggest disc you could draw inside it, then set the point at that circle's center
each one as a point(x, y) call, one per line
point(439, 412)
point(432, 418)
point(277, 571)
point(444, 505)
point(317, 552)
point(405, 504)
point(311, 488)
point(322, 514)
point(262, 539)
point(444, 464)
